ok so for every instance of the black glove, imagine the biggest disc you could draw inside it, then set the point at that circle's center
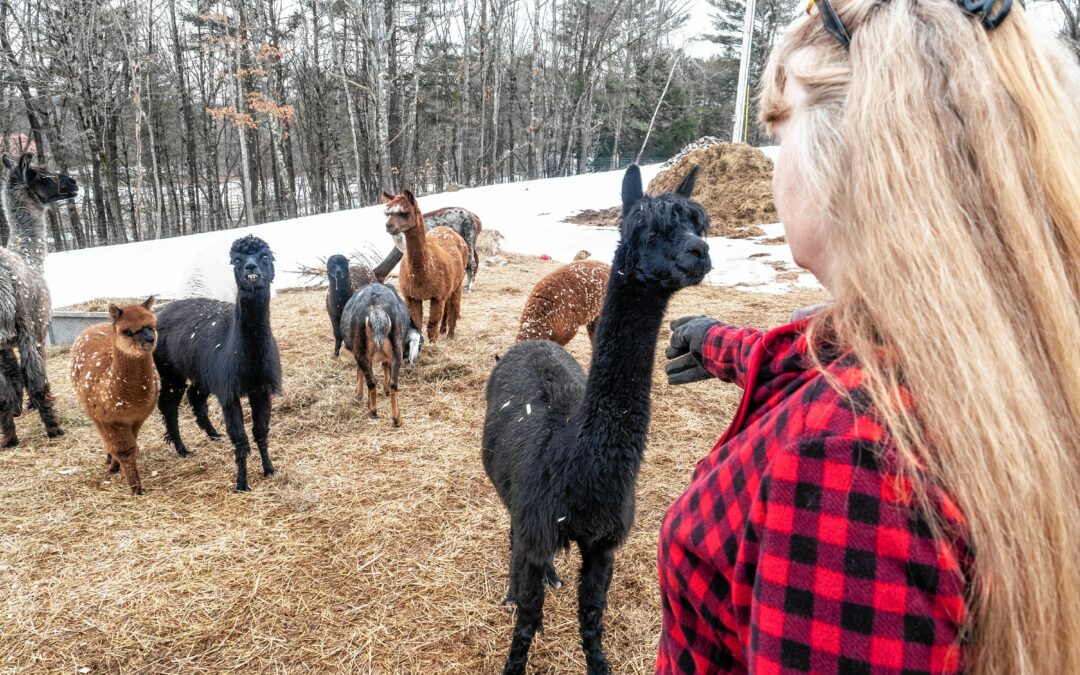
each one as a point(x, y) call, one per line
point(685, 364)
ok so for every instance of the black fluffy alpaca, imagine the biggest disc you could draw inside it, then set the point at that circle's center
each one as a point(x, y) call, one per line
point(226, 350)
point(563, 452)
point(337, 273)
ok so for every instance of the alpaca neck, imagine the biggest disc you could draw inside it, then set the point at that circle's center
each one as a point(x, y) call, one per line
point(252, 323)
point(416, 246)
point(131, 372)
point(26, 218)
point(615, 412)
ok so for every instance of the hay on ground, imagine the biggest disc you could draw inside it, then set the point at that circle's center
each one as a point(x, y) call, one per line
point(374, 550)
point(734, 184)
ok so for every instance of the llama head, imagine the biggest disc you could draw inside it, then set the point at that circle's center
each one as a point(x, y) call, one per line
point(253, 264)
point(42, 185)
point(662, 238)
point(337, 271)
point(401, 212)
point(134, 327)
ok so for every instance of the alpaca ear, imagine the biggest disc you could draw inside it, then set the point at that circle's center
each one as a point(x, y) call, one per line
point(387, 197)
point(631, 188)
point(115, 312)
point(25, 161)
point(8, 162)
point(409, 196)
point(686, 188)
point(149, 304)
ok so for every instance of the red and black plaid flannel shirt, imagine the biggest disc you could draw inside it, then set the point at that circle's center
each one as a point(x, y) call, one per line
point(795, 548)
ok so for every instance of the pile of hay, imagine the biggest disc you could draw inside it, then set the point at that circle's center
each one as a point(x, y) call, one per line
point(734, 184)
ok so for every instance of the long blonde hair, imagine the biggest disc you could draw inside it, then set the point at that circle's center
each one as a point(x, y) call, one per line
point(949, 160)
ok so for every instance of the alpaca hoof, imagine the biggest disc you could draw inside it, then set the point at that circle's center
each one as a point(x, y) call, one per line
point(184, 452)
point(216, 436)
point(10, 442)
point(54, 432)
point(373, 413)
point(114, 468)
point(242, 488)
point(137, 490)
point(268, 471)
point(552, 580)
point(509, 603)
point(599, 666)
point(397, 423)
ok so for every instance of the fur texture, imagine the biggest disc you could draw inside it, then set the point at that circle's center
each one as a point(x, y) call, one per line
point(112, 369)
point(563, 301)
point(212, 347)
point(25, 306)
point(433, 267)
point(464, 222)
point(563, 451)
point(375, 322)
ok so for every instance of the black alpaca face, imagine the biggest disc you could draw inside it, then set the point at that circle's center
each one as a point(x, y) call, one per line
point(662, 237)
point(45, 185)
point(253, 263)
point(400, 212)
point(337, 270)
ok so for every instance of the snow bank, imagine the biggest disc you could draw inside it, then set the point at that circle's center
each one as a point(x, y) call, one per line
point(529, 215)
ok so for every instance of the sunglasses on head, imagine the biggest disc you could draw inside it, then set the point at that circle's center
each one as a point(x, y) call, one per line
point(982, 8)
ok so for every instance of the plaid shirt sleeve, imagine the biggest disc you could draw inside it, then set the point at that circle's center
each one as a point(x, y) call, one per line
point(726, 352)
point(849, 579)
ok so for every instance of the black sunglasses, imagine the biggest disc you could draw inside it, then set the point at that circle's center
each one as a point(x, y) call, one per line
point(983, 8)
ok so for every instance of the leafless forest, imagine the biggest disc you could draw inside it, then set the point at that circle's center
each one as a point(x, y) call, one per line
point(182, 116)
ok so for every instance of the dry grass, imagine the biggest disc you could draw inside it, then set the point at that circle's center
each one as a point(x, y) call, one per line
point(373, 549)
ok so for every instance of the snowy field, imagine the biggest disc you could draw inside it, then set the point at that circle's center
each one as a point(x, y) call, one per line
point(528, 214)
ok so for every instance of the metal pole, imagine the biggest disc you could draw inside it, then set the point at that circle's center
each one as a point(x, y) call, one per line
point(741, 103)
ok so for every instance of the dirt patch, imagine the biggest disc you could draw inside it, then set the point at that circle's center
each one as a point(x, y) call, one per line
point(734, 184)
point(374, 550)
point(599, 217)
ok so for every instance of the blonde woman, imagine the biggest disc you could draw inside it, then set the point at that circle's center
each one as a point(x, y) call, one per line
point(899, 489)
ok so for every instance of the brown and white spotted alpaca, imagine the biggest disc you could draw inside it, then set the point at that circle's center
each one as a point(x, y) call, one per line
point(112, 369)
point(563, 301)
point(433, 267)
point(582, 255)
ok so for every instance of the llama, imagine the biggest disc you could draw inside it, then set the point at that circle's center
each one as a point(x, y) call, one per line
point(227, 350)
point(25, 305)
point(564, 300)
point(563, 451)
point(464, 222)
point(433, 266)
point(374, 325)
point(112, 368)
point(343, 280)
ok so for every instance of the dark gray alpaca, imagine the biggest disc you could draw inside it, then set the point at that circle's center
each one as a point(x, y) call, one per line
point(25, 305)
point(374, 325)
point(227, 350)
point(564, 451)
point(464, 222)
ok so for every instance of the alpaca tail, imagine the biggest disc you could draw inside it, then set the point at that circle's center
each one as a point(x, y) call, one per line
point(378, 325)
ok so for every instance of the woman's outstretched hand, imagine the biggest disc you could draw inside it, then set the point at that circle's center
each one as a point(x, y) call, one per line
point(684, 351)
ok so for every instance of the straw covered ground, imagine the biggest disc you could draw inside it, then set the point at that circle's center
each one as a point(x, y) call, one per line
point(373, 549)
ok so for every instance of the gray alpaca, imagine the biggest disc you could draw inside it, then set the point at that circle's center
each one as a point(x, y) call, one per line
point(24, 298)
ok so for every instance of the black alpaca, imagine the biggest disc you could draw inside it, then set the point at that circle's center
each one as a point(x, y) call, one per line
point(563, 452)
point(337, 273)
point(226, 350)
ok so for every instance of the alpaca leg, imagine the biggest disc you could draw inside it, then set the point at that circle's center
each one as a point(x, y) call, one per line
point(416, 312)
point(7, 413)
point(551, 577)
point(9, 363)
point(454, 311)
point(260, 428)
point(337, 345)
point(169, 397)
point(597, 564)
point(369, 380)
point(197, 399)
point(591, 328)
point(395, 368)
point(529, 593)
point(234, 425)
point(436, 314)
point(121, 443)
point(37, 382)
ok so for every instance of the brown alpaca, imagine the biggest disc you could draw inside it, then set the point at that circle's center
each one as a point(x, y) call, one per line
point(433, 267)
point(112, 368)
point(563, 301)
